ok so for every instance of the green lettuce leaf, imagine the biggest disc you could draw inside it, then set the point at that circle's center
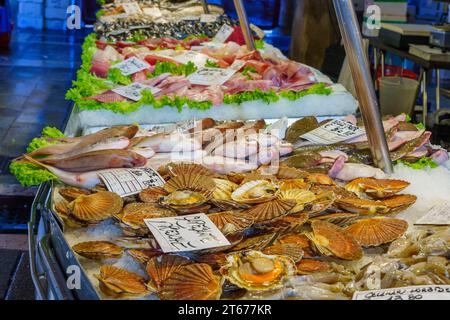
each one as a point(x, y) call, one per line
point(47, 132)
point(211, 64)
point(30, 175)
point(422, 163)
point(116, 76)
point(170, 67)
point(259, 44)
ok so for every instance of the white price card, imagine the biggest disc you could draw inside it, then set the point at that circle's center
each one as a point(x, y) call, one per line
point(427, 292)
point(333, 132)
point(186, 233)
point(133, 91)
point(211, 76)
point(438, 215)
point(131, 66)
point(197, 58)
point(153, 12)
point(223, 34)
point(126, 182)
point(131, 8)
point(207, 18)
point(238, 64)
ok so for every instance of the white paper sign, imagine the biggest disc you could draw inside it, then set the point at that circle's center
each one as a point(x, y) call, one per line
point(153, 12)
point(131, 8)
point(223, 33)
point(126, 182)
point(133, 91)
point(427, 292)
point(207, 18)
point(259, 32)
point(211, 76)
point(438, 215)
point(197, 58)
point(131, 65)
point(186, 233)
point(333, 132)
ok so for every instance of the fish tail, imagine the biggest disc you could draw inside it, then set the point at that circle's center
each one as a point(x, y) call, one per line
point(35, 162)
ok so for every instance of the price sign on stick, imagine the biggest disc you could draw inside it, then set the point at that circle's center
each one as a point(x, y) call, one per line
point(427, 292)
point(438, 215)
point(133, 91)
point(333, 132)
point(186, 233)
point(223, 34)
point(126, 182)
point(131, 66)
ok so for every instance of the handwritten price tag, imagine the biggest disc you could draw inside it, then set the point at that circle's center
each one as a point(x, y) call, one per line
point(431, 292)
point(186, 233)
point(333, 132)
point(126, 182)
point(133, 91)
point(131, 66)
point(223, 34)
point(211, 76)
point(131, 8)
point(438, 215)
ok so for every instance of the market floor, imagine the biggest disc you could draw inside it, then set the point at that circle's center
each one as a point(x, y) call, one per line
point(35, 73)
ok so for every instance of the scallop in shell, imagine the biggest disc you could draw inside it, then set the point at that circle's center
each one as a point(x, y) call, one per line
point(301, 197)
point(339, 218)
point(152, 195)
point(270, 210)
point(192, 282)
point(120, 283)
point(160, 268)
point(256, 271)
point(255, 242)
point(95, 207)
point(377, 231)
point(231, 222)
point(71, 193)
point(143, 256)
point(285, 172)
point(290, 250)
point(193, 182)
point(224, 189)
point(183, 168)
point(255, 191)
point(98, 250)
point(290, 184)
point(283, 224)
point(308, 266)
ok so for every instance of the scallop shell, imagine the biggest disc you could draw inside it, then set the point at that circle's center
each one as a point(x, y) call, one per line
point(301, 197)
point(376, 188)
point(98, 250)
point(185, 199)
point(143, 256)
point(377, 231)
point(120, 283)
point(152, 195)
point(399, 203)
point(290, 184)
point(300, 240)
point(96, 207)
point(231, 222)
point(255, 176)
point(340, 218)
point(215, 260)
point(285, 172)
point(362, 206)
point(71, 193)
point(270, 210)
point(227, 205)
point(308, 266)
point(193, 182)
point(283, 224)
point(324, 200)
point(290, 250)
point(335, 240)
point(224, 189)
point(160, 268)
point(192, 282)
point(183, 168)
point(255, 191)
point(241, 264)
point(255, 243)
point(135, 213)
point(320, 179)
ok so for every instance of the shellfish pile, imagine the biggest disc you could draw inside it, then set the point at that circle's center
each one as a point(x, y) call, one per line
point(289, 231)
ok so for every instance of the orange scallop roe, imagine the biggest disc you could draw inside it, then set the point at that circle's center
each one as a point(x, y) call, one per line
point(263, 278)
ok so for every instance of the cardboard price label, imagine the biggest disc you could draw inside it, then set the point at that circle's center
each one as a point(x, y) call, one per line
point(126, 182)
point(131, 66)
point(438, 215)
point(131, 8)
point(186, 233)
point(223, 34)
point(211, 76)
point(333, 132)
point(428, 292)
point(133, 91)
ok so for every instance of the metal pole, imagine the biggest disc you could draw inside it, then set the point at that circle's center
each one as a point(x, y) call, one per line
point(359, 67)
point(205, 6)
point(244, 25)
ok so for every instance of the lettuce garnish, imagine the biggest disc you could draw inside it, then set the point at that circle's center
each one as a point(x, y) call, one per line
point(422, 163)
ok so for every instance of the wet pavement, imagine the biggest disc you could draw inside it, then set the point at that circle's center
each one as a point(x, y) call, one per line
point(35, 73)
